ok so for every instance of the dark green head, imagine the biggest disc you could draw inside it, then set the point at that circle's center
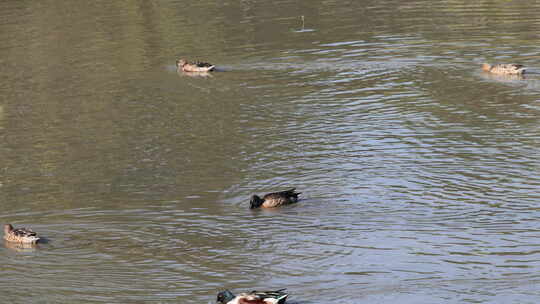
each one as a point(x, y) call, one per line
point(255, 202)
point(225, 296)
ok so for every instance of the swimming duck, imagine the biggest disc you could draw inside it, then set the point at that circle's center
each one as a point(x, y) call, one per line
point(504, 69)
point(20, 235)
point(275, 199)
point(254, 297)
point(194, 67)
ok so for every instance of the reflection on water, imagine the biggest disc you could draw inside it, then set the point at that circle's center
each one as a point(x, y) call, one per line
point(503, 78)
point(1, 116)
point(21, 247)
point(304, 29)
point(194, 74)
point(419, 173)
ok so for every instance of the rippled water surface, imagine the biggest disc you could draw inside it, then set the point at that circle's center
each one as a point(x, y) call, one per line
point(420, 174)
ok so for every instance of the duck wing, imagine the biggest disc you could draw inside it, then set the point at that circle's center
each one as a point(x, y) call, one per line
point(276, 199)
point(272, 296)
point(201, 64)
point(270, 293)
point(508, 68)
point(24, 232)
point(287, 193)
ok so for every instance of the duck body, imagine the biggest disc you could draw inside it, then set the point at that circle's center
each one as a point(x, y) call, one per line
point(20, 235)
point(275, 199)
point(197, 66)
point(504, 69)
point(254, 297)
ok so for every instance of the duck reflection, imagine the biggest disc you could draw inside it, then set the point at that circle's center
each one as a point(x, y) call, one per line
point(21, 247)
point(503, 77)
point(194, 74)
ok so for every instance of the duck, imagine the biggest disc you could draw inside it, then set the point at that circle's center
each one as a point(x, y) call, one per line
point(197, 66)
point(275, 199)
point(504, 69)
point(20, 235)
point(254, 297)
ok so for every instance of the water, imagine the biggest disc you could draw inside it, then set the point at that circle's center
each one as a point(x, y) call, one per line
point(420, 174)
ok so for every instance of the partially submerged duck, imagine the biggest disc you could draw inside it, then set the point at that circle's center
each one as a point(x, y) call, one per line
point(254, 297)
point(275, 199)
point(197, 66)
point(20, 235)
point(504, 69)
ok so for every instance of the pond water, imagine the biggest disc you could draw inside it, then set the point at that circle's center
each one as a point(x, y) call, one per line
point(420, 174)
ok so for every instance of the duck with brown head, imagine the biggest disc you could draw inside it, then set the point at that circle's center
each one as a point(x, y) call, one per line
point(198, 66)
point(275, 199)
point(20, 235)
point(504, 69)
point(254, 297)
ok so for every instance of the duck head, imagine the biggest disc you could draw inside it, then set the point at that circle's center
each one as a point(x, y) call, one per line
point(486, 67)
point(180, 63)
point(225, 296)
point(255, 202)
point(7, 228)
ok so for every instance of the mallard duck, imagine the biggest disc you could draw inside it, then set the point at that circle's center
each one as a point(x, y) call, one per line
point(194, 67)
point(20, 235)
point(254, 297)
point(504, 69)
point(274, 199)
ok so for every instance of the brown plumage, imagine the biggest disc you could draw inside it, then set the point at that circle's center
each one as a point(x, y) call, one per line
point(252, 299)
point(275, 199)
point(197, 66)
point(20, 235)
point(504, 69)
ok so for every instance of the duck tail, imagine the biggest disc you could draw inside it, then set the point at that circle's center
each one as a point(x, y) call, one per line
point(282, 299)
point(291, 192)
